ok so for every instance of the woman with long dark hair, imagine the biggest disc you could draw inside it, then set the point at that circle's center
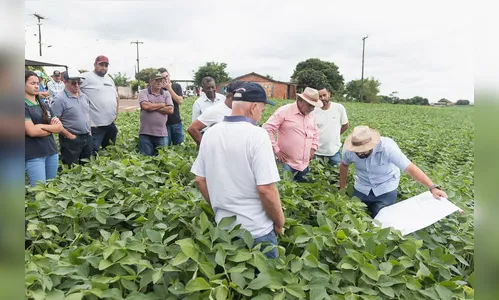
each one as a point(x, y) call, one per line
point(41, 156)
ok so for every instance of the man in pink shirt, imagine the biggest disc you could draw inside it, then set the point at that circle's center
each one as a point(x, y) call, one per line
point(297, 133)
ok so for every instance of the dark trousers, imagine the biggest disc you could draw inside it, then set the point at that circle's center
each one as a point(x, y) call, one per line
point(298, 176)
point(73, 151)
point(175, 134)
point(375, 204)
point(104, 136)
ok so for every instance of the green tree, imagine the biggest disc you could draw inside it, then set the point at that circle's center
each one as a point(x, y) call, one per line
point(304, 76)
point(212, 69)
point(37, 68)
point(269, 77)
point(120, 79)
point(134, 84)
point(145, 74)
point(463, 102)
point(312, 78)
point(370, 91)
point(417, 100)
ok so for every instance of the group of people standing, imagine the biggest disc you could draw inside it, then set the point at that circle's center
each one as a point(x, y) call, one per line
point(82, 113)
point(246, 156)
point(231, 145)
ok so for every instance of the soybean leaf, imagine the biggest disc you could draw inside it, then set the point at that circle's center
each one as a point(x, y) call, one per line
point(189, 248)
point(197, 284)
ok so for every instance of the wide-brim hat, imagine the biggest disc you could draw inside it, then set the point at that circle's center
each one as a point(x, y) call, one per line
point(362, 139)
point(311, 96)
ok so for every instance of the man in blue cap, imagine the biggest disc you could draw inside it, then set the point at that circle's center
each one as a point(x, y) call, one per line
point(236, 171)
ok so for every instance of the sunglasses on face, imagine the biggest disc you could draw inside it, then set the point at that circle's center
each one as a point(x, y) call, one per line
point(75, 83)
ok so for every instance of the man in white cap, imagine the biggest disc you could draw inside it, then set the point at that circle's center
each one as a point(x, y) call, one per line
point(378, 161)
point(297, 133)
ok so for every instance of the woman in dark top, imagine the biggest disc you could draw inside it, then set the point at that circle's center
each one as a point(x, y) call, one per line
point(41, 156)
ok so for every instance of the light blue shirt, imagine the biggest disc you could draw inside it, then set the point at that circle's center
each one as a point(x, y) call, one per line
point(380, 172)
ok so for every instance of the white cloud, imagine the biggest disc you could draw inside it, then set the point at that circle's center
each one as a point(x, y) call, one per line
point(422, 48)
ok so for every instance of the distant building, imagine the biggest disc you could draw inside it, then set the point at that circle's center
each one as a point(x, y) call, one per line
point(274, 88)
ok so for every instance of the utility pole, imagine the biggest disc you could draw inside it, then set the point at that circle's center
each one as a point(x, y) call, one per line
point(137, 42)
point(362, 78)
point(39, 17)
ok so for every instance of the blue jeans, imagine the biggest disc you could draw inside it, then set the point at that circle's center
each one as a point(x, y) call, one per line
point(175, 134)
point(332, 160)
point(103, 136)
point(42, 168)
point(298, 175)
point(270, 238)
point(149, 143)
point(375, 204)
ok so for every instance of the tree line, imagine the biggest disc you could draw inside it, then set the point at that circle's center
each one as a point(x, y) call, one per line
point(312, 72)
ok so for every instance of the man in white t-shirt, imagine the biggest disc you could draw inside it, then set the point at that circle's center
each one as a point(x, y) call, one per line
point(236, 171)
point(332, 121)
point(104, 103)
point(213, 115)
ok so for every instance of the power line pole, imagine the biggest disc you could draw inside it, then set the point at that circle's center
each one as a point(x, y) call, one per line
point(39, 17)
point(362, 78)
point(137, 42)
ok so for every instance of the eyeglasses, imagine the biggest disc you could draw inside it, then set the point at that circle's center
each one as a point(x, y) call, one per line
point(74, 83)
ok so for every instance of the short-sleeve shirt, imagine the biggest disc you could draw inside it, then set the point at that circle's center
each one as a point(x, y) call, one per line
point(101, 93)
point(175, 117)
point(203, 103)
point(329, 123)
point(215, 114)
point(73, 112)
point(380, 172)
point(41, 89)
point(235, 157)
point(36, 147)
point(153, 122)
point(55, 88)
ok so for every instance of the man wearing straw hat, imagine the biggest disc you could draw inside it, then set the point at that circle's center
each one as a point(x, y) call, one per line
point(297, 133)
point(378, 161)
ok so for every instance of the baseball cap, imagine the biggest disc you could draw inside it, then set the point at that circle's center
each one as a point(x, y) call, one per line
point(156, 76)
point(56, 72)
point(40, 74)
point(72, 73)
point(251, 92)
point(101, 58)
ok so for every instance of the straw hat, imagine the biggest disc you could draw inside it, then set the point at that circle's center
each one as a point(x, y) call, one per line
point(311, 96)
point(362, 139)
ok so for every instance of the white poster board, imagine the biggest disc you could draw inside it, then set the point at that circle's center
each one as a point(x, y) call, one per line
point(415, 213)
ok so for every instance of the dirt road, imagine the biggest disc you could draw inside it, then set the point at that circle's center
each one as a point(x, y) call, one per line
point(128, 105)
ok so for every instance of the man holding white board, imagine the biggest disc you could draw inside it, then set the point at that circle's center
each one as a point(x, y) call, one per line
point(378, 161)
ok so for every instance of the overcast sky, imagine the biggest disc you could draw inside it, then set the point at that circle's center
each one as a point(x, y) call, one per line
point(422, 48)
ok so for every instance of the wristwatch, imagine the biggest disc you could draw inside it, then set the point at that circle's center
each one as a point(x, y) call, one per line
point(435, 186)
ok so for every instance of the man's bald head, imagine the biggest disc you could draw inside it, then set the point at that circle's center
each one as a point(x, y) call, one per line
point(252, 110)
